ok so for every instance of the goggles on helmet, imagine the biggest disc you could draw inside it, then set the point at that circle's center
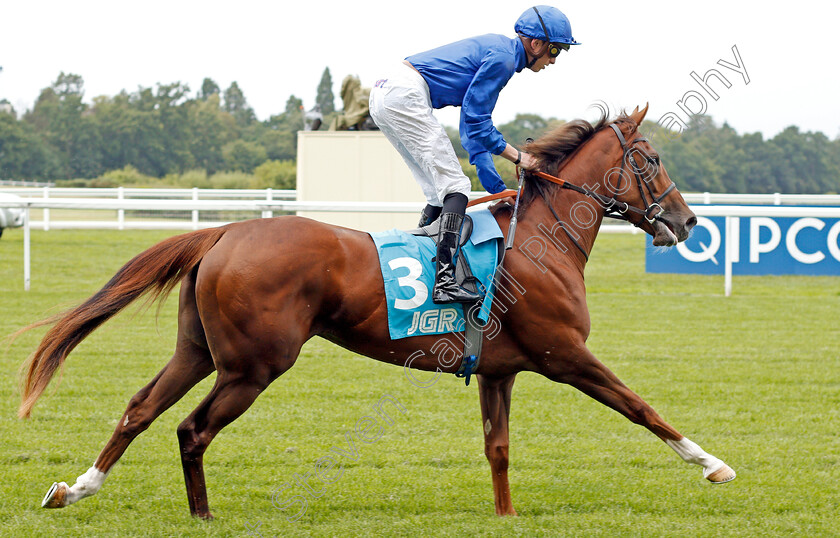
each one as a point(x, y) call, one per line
point(554, 49)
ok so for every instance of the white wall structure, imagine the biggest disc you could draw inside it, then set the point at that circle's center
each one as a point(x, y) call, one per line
point(355, 166)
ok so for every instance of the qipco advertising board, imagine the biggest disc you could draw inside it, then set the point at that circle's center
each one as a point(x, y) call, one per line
point(764, 246)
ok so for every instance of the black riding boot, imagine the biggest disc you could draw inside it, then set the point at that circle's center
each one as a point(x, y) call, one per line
point(429, 214)
point(446, 289)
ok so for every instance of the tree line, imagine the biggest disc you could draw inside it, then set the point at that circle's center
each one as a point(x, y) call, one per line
point(164, 133)
point(168, 135)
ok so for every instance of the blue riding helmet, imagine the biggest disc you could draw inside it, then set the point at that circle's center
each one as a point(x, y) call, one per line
point(538, 20)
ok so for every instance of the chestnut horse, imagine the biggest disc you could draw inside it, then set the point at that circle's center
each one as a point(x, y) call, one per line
point(253, 292)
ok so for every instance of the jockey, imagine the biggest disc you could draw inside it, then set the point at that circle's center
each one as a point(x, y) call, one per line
point(470, 74)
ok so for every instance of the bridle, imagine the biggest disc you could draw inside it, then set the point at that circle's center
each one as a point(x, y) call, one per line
point(640, 180)
point(613, 207)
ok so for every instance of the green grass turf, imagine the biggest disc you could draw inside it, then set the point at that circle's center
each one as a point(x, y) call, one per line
point(753, 378)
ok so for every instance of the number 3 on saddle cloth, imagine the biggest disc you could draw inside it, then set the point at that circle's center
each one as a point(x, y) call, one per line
point(409, 275)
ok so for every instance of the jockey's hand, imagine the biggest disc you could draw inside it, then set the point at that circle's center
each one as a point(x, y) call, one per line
point(528, 162)
point(508, 200)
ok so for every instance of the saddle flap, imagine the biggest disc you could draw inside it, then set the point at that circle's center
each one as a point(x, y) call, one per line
point(408, 276)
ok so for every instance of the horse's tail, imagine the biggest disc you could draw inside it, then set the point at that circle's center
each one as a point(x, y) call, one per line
point(156, 271)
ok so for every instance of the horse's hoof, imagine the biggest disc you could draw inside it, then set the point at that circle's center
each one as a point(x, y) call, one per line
point(56, 497)
point(721, 476)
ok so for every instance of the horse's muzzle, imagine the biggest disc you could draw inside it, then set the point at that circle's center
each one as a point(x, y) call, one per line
point(670, 230)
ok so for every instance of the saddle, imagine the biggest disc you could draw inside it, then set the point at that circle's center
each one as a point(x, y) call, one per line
point(433, 229)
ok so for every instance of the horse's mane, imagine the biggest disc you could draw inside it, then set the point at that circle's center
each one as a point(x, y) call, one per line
point(557, 145)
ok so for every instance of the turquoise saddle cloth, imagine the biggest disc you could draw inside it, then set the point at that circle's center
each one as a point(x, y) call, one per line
point(409, 275)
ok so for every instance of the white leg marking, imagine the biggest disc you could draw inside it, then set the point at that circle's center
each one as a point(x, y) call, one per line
point(86, 485)
point(692, 453)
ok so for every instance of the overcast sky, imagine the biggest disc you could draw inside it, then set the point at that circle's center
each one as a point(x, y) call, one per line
point(632, 52)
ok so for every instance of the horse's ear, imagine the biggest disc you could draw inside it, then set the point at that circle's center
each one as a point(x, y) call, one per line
point(635, 111)
point(639, 115)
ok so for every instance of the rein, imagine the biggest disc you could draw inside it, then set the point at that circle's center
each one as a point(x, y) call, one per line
point(507, 193)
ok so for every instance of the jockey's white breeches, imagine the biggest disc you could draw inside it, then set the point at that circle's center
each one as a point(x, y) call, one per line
point(402, 109)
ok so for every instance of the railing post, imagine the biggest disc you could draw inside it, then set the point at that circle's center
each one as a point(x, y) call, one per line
point(777, 198)
point(26, 250)
point(120, 212)
point(729, 249)
point(269, 196)
point(195, 211)
point(46, 211)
